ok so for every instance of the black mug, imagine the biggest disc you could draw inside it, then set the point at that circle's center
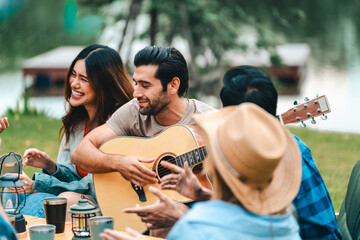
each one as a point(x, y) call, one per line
point(55, 212)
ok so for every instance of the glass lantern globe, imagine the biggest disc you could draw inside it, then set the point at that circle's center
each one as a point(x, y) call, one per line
point(80, 214)
point(10, 169)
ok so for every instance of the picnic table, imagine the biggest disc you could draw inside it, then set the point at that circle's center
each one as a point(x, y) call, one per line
point(66, 235)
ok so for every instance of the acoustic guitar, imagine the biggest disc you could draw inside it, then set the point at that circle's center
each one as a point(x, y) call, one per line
point(175, 144)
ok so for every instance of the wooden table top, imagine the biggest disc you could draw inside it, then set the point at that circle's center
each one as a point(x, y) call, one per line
point(66, 235)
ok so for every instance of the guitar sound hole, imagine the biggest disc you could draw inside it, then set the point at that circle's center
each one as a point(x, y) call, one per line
point(162, 171)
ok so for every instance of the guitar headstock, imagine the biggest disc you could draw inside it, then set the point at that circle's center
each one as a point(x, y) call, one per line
point(307, 110)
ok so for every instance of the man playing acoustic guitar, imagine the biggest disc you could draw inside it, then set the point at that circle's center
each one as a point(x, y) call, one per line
point(161, 81)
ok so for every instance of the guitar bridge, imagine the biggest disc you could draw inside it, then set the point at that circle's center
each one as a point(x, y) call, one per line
point(140, 192)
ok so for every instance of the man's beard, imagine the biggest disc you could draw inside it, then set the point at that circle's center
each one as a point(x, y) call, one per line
point(156, 106)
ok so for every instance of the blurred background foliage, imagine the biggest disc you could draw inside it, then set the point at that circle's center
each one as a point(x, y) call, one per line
point(29, 27)
point(32, 27)
point(210, 28)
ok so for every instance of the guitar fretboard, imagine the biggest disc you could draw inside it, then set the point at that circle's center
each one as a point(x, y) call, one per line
point(193, 157)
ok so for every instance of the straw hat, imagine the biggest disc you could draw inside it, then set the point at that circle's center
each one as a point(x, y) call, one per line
point(255, 155)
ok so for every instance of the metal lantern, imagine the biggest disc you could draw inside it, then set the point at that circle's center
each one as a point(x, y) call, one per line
point(10, 170)
point(80, 214)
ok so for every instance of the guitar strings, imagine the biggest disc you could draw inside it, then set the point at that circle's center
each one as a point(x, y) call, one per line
point(201, 151)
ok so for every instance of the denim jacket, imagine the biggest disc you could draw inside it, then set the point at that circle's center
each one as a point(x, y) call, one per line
point(66, 177)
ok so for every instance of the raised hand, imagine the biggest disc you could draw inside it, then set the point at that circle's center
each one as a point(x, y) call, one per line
point(185, 182)
point(134, 171)
point(4, 123)
point(161, 214)
point(35, 158)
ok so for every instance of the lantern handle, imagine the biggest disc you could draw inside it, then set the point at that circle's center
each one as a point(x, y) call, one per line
point(18, 161)
point(90, 200)
point(2, 161)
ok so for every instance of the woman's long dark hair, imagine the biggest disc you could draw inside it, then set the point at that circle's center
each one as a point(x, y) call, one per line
point(109, 79)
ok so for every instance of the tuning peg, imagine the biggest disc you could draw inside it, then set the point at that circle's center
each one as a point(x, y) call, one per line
point(302, 124)
point(306, 99)
point(296, 102)
point(323, 117)
point(313, 121)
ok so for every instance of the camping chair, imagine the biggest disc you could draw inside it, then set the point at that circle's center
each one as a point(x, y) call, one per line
point(349, 216)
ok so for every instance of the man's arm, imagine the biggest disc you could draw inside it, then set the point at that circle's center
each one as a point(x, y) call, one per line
point(88, 157)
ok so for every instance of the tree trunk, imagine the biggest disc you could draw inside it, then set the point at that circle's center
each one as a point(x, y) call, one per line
point(153, 25)
point(134, 11)
point(187, 34)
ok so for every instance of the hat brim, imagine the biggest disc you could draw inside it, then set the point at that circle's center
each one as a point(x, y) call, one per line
point(284, 185)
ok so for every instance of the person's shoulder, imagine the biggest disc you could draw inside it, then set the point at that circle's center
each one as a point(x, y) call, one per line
point(199, 106)
point(300, 143)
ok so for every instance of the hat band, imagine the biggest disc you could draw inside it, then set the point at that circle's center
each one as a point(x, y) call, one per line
point(223, 158)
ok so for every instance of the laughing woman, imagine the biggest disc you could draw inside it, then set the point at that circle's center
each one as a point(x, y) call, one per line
point(96, 85)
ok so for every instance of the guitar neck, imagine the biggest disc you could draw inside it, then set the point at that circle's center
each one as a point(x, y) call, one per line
point(307, 110)
point(192, 157)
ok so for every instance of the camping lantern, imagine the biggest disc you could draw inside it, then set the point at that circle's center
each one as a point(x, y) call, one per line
point(10, 170)
point(80, 214)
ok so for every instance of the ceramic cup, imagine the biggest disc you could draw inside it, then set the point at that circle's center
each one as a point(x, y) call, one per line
point(42, 232)
point(98, 224)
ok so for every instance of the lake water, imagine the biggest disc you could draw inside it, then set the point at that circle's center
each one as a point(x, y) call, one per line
point(11, 88)
point(341, 88)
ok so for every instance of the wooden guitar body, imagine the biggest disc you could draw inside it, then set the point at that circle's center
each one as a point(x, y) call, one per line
point(114, 193)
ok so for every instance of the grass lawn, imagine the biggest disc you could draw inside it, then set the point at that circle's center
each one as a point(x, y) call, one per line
point(31, 132)
point(335, 154)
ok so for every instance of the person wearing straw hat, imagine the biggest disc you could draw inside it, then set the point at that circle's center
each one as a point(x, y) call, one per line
point(255, 168)
point(314, 207)
point(315, 211)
